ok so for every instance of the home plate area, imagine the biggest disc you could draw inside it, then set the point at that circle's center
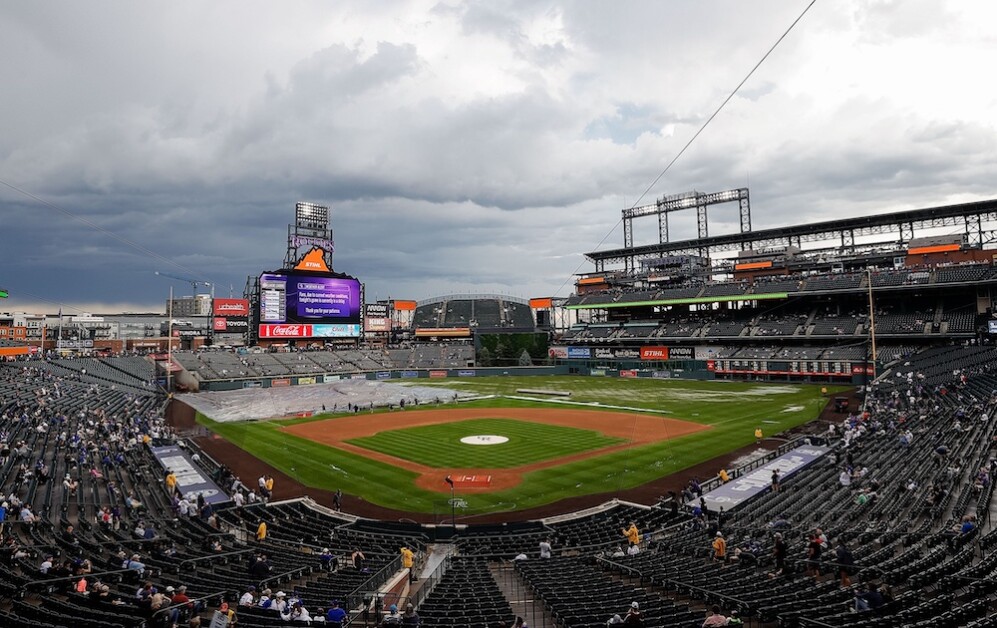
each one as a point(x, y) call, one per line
point(471, 481)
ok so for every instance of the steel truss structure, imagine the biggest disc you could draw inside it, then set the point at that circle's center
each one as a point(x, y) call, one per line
point(976, 219)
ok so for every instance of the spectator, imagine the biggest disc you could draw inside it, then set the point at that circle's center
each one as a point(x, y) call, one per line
point(714, 617)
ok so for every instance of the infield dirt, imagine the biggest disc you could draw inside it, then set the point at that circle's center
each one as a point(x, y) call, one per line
point(634, 428)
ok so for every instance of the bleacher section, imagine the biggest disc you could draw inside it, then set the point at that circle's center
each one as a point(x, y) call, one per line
point(903, 530)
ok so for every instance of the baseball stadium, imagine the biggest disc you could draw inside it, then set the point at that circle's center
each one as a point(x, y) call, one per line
point(685, 432)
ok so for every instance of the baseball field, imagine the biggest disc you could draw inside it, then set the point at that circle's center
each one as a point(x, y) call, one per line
point(514, 450)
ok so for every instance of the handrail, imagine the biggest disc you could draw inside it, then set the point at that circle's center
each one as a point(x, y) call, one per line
point(738, 602)
point(357, 593)
point(433, 579)
point(48, 581)
point(297, 571)
point(203, 598)
point(213, 556)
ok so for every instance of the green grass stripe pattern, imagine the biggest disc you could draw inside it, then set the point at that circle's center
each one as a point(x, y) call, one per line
point(439, 445)
point(733, 410)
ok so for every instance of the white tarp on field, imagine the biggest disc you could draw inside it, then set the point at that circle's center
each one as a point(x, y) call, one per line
point(264, 403)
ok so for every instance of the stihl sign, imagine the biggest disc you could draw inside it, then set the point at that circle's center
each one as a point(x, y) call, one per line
point(654, 353)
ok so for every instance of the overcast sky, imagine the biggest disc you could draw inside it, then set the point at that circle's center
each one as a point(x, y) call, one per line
point(463, 146)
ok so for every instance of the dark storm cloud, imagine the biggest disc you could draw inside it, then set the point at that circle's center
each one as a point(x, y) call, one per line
point(463, 146)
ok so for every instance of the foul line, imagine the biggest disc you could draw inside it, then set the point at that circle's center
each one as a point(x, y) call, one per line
point(585, 404)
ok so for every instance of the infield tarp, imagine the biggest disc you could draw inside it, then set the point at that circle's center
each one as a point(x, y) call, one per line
point(190, 479)
point(756, 482)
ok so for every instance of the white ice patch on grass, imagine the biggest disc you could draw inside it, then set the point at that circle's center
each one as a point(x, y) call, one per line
point(793, 409)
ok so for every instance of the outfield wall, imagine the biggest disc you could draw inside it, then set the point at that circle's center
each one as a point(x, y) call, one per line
point(407, 374)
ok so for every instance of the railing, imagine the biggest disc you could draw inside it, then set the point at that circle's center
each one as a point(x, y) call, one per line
point(371, 585)
point(213, 557)
point(430, 582)
point(48, 583)
point(297, 572)
point(159, 619)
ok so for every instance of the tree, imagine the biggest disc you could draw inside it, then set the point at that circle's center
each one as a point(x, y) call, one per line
point(484, 357)
point(525, 359)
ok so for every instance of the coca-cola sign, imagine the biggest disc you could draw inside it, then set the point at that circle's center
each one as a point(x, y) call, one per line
point(285, 331)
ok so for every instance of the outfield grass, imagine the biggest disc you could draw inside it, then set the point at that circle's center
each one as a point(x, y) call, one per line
point(733, 410)
point(440, 446)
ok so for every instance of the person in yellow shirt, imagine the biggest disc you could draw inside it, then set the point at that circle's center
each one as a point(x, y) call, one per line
point(723, 476)
point(261, 531)
point(633, 536)
point(269, 486)
point(171, 482)
point(758, 435)
point(719, 547)
point(408, 560)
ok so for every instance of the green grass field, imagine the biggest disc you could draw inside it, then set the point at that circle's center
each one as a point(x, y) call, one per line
point(733, 410)
point(440, 446)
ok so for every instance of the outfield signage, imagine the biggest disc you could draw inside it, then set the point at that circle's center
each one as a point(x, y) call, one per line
point(755, 483)
point(298, 330)
point(384, 375)
point(647, 354)
point(328, 379)
point(437, 374)
point(628, 373)
point(654, 353)
point(307, 381)
point(190, 480)
point(256, 384)
point(410, 374)
point(280, 383)
point(465, 373)
point(598, 372)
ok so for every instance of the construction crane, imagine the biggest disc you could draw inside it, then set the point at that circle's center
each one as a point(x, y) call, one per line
point(194, 283)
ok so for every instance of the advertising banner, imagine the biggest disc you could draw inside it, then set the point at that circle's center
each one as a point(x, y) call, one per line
point(629, 373)
point(603, 353)
point(557, 352)
point(296, 330)
point(231, 308)
point(252, 384)
point(758, 481)
point(306, 381)
point(190, 480)
point(437, 374)
point(681, 353)
point(661, 374)
point(384, 375)
point(376, 324)
point(219, 324)
point(377, 310)
point(358, 376)
point(465, 373)
point(328, 379)
point(654, 353)
point(598, 372)
point(410, 374)
point(579, 352)
point(280, 383)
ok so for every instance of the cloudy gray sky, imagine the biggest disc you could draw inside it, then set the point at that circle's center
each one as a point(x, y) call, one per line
point(463, 146)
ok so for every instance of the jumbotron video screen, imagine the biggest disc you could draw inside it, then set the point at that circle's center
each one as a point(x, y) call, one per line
point(307, 305)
